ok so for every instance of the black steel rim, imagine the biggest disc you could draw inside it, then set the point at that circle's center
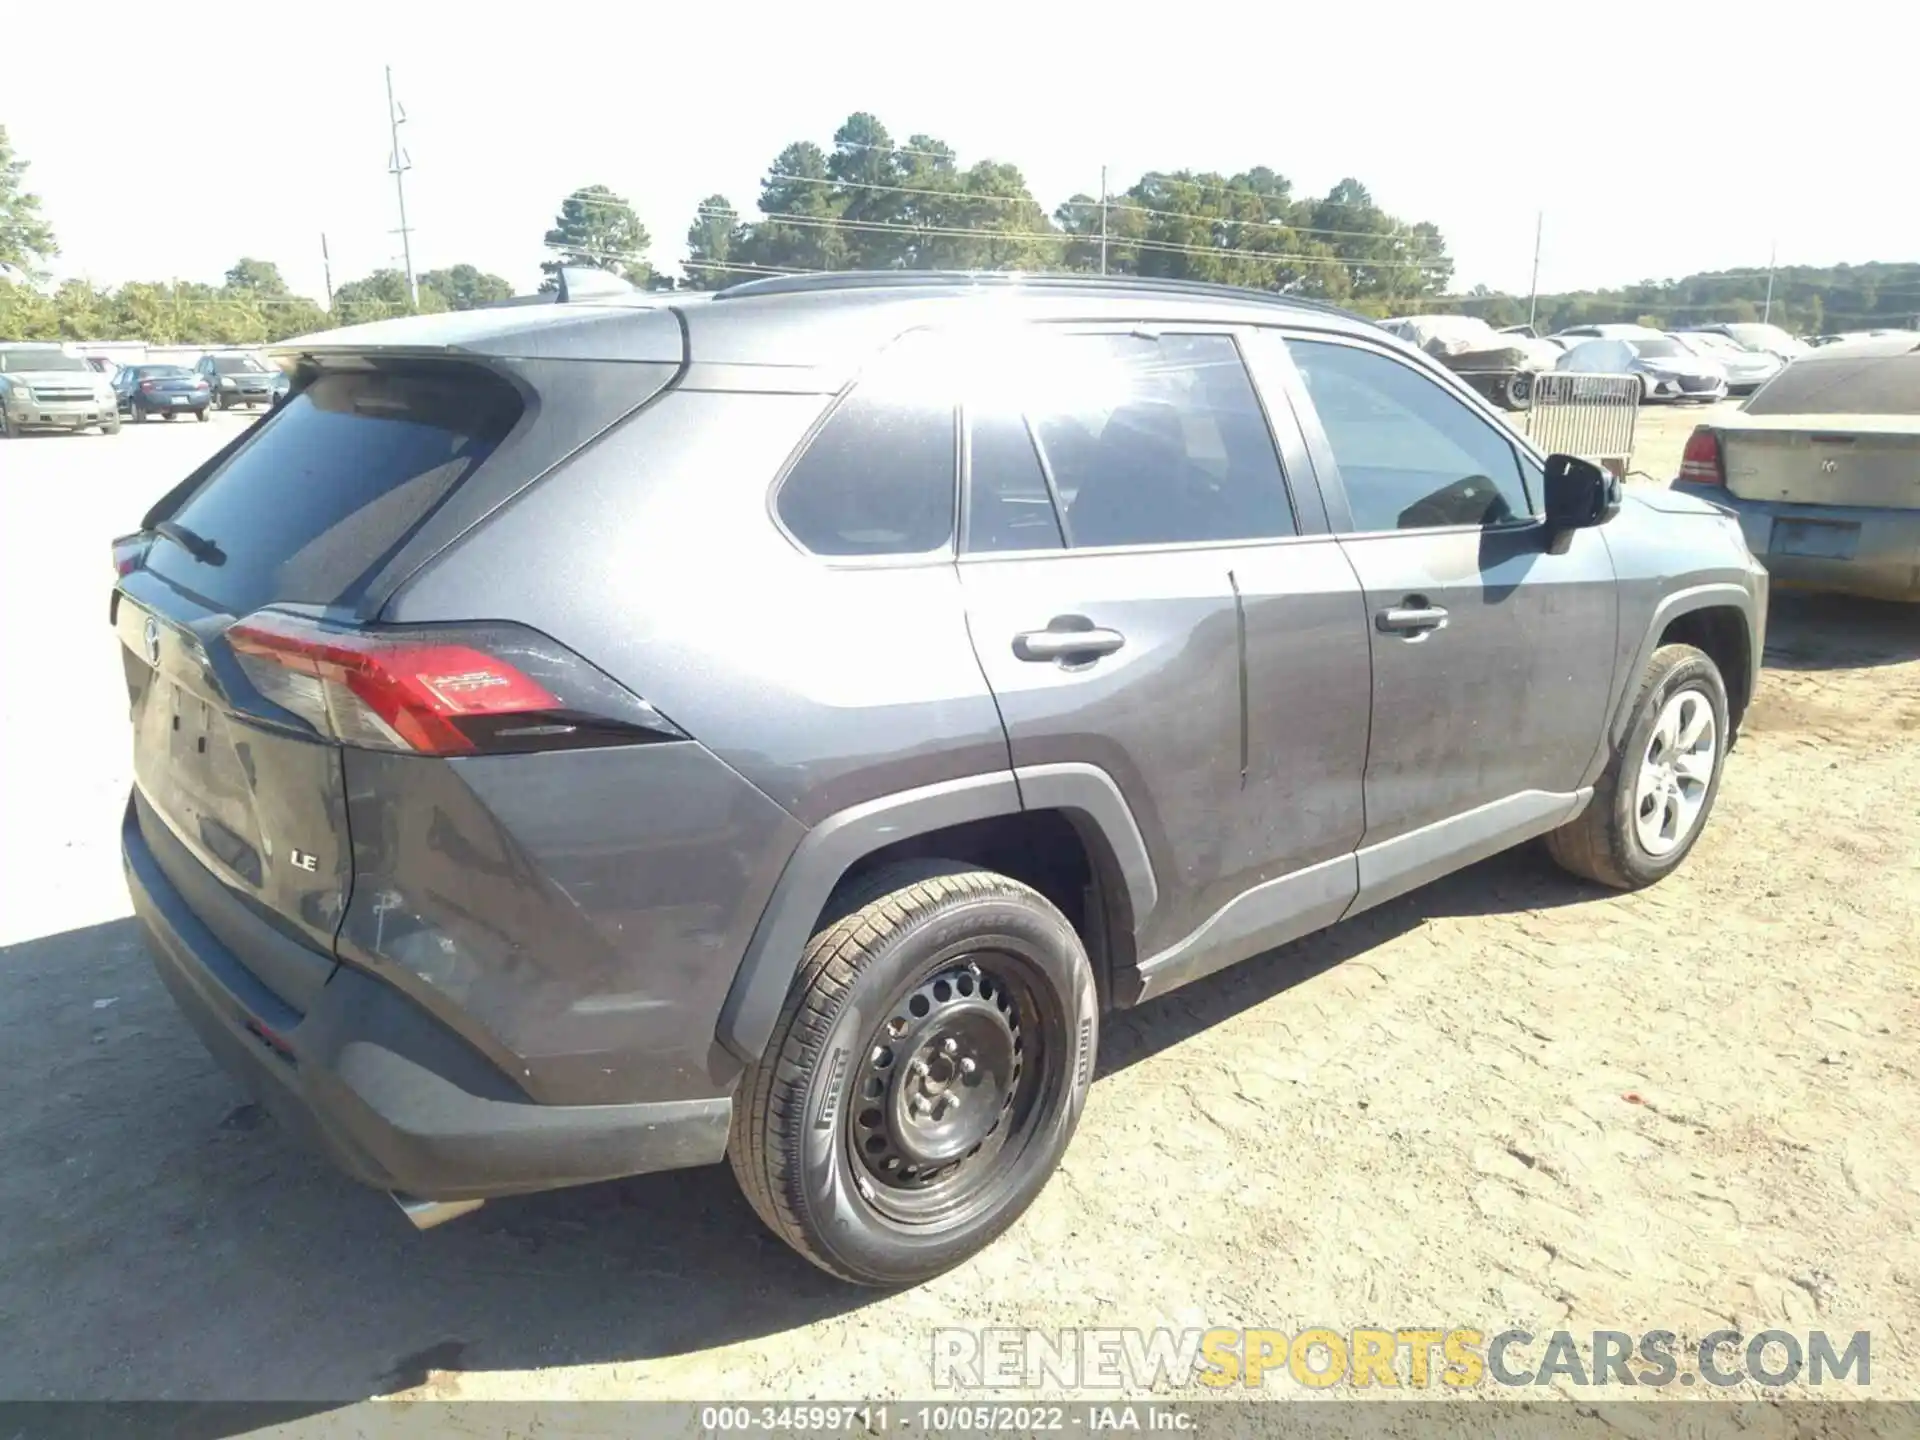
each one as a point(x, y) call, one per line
point(959, 1075)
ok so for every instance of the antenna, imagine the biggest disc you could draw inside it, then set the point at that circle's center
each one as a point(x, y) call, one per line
point(398, 163)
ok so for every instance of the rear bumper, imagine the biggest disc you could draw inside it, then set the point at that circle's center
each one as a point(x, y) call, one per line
point(394, 1098)
point(1883, 546)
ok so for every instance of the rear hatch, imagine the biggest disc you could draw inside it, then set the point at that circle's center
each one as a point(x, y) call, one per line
point(297, 516)
point(1848, 460)
point(1838, 427)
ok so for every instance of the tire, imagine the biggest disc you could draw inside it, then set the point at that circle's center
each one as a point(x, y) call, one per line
point(1646, 390)
point(6, 430)
point(927, 973)
point(112, 427)
point(137, 413)
point(1516, 391)
point(1608, 842)
point(221, 401)
point(169, 415)
point(201, 414)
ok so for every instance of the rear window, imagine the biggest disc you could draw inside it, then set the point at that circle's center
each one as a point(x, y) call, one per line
point(237, 365)
point(163, 372)
point(1843, 385)
point(333, 483)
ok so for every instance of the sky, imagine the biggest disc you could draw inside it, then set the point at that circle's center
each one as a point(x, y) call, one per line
point(1701, 139)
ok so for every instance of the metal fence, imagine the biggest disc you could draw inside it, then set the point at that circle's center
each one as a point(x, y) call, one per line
point(1586, 415)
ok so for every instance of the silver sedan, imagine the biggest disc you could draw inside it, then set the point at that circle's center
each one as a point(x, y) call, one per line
point(1747, 370)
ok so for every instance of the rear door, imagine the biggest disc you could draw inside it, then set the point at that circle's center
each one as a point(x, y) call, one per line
point(1142, 599)
point(237, 798)
point(1492, 656)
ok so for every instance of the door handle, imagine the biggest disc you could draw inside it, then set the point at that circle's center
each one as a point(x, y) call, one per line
point(1413, 618)
point(1059, 643)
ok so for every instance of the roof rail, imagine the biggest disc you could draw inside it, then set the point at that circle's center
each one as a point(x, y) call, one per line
point(827, 281)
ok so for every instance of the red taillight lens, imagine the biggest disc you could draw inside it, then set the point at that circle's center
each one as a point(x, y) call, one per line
point(1700, 461)
point(439, 690)
point(146, 384)
point(129, 552)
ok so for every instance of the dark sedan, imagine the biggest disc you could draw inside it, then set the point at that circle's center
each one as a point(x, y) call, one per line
point(239, 380)
point(168, 390)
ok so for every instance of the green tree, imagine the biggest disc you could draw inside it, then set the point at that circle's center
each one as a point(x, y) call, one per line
point(710, 245)
point(801, 230)
point(26, 239)
point(465, 287)
point(380, 296)
point(26, 314)
point(255, 277)
point(597, 228)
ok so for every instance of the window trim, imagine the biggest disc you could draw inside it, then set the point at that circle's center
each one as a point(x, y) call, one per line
point(1308, 525)
point(1327, 467)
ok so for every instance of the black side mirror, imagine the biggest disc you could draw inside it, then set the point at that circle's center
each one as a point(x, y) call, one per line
point(1579, 494)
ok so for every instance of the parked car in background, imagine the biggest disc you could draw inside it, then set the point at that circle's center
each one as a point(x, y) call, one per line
point(1747, 370)
point(1622, 331)
point(42, 387)
point(1822, 466)
point(1499, 364)
point(1667, 371)
point(240, 379)
point(144, 391)
point(1126, 630)
point(1757, 335)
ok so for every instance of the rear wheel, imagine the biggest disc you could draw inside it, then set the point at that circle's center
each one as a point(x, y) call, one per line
point(924, 1077)
point(201, 414)
point(137, 412)
point(1516, 391)
point(1652, 801)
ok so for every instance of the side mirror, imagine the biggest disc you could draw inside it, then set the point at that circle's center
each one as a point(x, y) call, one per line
point(1579, 494)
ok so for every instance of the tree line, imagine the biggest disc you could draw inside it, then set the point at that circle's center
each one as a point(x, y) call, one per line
point(1806, 300)
point(868, 202)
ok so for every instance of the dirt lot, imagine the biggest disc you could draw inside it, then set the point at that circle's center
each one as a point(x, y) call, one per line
point(1503, 1098)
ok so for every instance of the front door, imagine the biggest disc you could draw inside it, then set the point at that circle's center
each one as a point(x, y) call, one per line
point(1492, 656)
point(1141, 600)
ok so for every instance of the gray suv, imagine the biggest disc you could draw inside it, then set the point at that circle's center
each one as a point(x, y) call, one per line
point(598, 737)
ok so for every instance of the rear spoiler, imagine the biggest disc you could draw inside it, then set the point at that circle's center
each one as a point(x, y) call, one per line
point(573, 284)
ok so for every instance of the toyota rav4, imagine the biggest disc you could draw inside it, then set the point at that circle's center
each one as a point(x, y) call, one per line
point(589, 738)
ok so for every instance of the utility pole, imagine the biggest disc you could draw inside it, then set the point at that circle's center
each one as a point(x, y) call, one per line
point(1103, 219)
point(326, 268)
point(1533, 293)
point(1773, 250)
point(399, 163)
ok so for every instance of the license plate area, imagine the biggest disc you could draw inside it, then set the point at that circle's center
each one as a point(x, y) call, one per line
point(1814, 539)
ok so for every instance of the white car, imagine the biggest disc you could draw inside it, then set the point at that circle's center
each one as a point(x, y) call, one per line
point(1666, 370)
point(1747, 370)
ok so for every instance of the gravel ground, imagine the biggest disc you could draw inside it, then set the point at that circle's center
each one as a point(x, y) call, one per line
point(1504, 1098)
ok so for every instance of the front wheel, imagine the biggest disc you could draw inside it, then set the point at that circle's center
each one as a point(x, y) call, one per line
point(137, 413)
point(924, 1076)
point(1652, 801)
point(112, 427)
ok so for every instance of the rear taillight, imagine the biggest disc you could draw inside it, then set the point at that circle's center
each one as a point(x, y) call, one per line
point(1700, 462)
point(129, 552)
point(146, 384)
point(440, 690)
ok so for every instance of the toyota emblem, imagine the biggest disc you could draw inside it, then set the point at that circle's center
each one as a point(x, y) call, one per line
point(150, 641)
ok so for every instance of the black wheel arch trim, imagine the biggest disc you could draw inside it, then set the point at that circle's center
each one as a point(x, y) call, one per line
point(838, 843)
point(1714, 595)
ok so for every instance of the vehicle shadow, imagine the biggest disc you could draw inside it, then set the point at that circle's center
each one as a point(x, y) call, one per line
point(167, 1240)
point(1838, 632)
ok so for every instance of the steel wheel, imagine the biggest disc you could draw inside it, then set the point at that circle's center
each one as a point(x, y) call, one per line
point(950, 1080)
point(1671, 790)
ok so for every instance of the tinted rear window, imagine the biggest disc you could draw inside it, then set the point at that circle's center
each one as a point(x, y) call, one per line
point(237, 365)
point(334, 482)
point(1843, 385)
